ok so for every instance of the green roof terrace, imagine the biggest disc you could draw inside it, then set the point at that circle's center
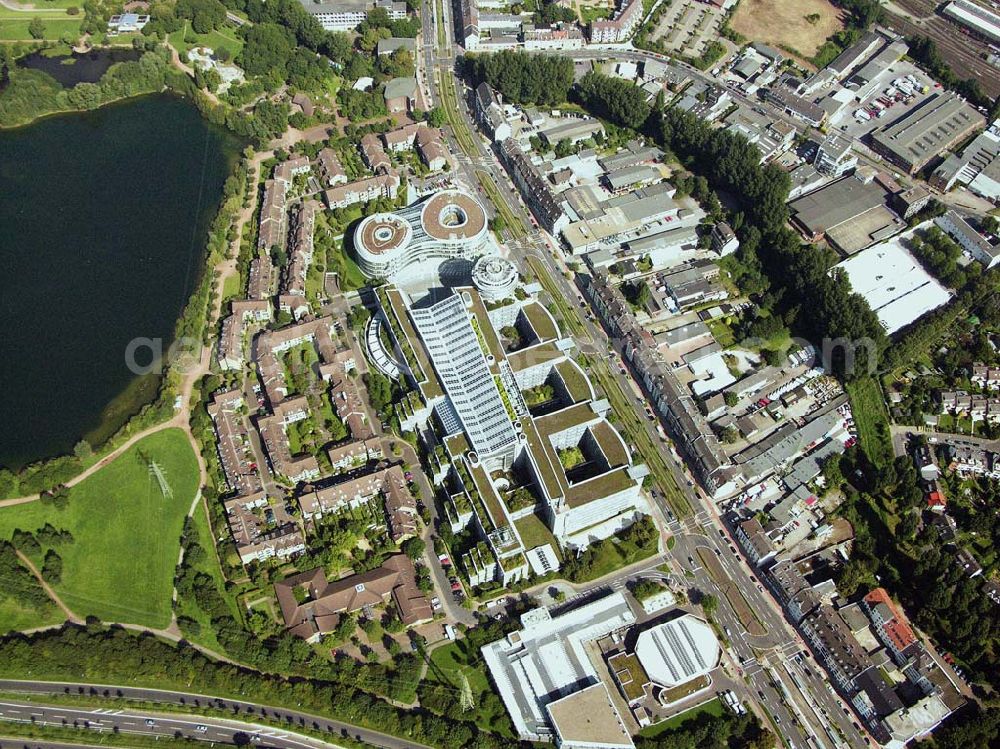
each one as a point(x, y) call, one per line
point(611, 444)
point(564, 419)
point(552, 478)
point(541, 321)
point(485, 327)
point(413, 347)
point(577, 383)
point(534, 532)
point(534, 355)
point(600, 486)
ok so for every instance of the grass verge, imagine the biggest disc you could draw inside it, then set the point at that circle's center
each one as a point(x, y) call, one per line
point(872, 419)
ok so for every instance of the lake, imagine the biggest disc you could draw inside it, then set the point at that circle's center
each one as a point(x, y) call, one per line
point(103, 219)
point(78, 67)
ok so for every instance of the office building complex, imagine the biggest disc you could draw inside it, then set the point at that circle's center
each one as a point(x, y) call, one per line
point(450, 224)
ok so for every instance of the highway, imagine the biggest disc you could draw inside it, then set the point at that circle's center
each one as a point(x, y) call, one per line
point(797, 697)
point(242, 725)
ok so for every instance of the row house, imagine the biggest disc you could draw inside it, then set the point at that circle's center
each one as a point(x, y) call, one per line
point(890, 623)
point(331, 171)
point(975, 407)
point(374, 154)
point(288, 170)
point(227, 411)
point(694, 437)
point(243, 313)
point(971, 460)
point(293, 290)
point(272, 227)
point(260, 538)
point(621, 27)
point(361, 486)
point(272, 428)
point(986, 377)
point(755, 543)
point(380, 186)
point(425, 140)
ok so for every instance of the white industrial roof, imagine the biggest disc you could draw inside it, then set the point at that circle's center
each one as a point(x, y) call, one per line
point(545, 660)
point(894, 284)
point(677, 651)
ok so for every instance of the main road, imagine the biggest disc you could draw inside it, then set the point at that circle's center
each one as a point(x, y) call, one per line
point(798, 698)
point(241, 726)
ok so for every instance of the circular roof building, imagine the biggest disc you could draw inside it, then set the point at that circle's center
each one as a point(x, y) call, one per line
point(677, 651)
point(452, 216)
point(494, 277)
point(449, 224)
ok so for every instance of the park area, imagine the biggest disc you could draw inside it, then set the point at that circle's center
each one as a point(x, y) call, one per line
point(793, 25)
point(125, 520)
point(872, 419)
point(225, 37)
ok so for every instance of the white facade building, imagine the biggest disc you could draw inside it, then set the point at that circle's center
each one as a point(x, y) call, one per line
point(449, 225)
point(453, 344)
point(494, 277)
point(347, 15)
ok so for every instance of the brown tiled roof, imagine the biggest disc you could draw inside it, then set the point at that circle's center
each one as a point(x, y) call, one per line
point(396, 578)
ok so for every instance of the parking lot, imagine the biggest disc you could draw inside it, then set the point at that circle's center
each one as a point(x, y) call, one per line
point(893, 101)
point(688, 26)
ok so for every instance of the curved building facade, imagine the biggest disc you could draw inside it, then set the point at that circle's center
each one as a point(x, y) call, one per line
point(449, 224)
point(494, 277)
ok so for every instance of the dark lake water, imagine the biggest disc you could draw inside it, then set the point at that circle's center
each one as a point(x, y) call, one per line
point(103, 218)
point(74, 68)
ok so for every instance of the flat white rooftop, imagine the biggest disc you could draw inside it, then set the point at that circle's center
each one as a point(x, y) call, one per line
point(545, 661)
point(678, 650)
point(894, 284)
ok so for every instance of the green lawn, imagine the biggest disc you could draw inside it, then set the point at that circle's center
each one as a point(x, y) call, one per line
point(56, 25)
point(224, 38)
point(712, 707)
point(232, 287)
point(872, 419)
point(611, 555)
point(120, 566)
point(448, 662)
point(14, 616)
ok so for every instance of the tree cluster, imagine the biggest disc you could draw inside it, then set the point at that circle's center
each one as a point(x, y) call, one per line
point(205, 15)
point(17, 583)
point(112, 655)
point(614, 99)
point(808, 297)
point(707, 731)
point(925, 52)
point(523, 78)
point(916, 564)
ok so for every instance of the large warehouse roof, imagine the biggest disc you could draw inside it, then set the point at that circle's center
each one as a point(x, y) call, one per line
point(894, 284)
point(975, 17)
point(588, 718)
point(934, 125)
point(677, 651)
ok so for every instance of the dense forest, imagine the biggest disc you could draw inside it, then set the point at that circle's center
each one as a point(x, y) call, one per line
point(523, 78)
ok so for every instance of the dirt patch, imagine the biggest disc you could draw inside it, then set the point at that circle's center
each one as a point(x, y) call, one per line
point(786, 23)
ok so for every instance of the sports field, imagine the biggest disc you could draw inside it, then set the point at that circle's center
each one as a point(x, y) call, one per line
point(120, 565)
point(801, 25)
